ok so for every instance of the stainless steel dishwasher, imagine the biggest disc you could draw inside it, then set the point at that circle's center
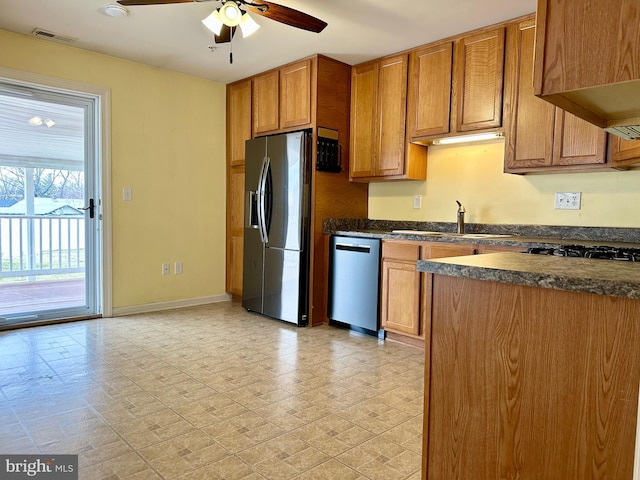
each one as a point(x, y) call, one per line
point(354, 279)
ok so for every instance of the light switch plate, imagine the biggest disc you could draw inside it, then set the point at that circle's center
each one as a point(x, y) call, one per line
point(417, 201)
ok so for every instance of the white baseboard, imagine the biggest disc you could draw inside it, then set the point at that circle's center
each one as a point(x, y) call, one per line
point(154, 307)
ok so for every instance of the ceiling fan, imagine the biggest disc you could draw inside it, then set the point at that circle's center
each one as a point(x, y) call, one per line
point(232, 13)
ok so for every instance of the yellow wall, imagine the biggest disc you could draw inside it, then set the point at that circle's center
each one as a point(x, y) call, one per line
point(473, 174)
point(168, 145)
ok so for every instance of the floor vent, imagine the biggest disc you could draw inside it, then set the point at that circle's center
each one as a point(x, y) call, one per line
point(56, 37)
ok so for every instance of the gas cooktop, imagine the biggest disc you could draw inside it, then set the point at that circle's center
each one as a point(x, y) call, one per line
point(602, 252)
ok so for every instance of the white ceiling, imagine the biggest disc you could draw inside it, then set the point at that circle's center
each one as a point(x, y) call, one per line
point(172, 37)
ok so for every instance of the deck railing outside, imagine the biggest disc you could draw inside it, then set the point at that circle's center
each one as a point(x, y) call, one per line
point(35, 245)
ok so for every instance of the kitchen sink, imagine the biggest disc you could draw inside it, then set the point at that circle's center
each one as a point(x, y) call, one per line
point(477, 235)
point(418, 232)
point(448, 234)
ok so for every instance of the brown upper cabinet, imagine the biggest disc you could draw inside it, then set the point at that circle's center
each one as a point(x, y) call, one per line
point(541, 137)
point(476, 92)
point(429, 109)
point(282, 98)
point(586, 59)
point(455, 87)
point(379, 149)
point(239, 120)
point(624, 152)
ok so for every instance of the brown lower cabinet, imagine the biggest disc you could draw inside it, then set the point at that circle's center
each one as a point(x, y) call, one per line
point(405, 293)
point(530, 383)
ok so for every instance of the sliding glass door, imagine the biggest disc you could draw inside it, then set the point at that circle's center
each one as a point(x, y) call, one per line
point(49, 208)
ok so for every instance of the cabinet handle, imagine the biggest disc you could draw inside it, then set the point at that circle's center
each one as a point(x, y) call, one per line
point(353, 248)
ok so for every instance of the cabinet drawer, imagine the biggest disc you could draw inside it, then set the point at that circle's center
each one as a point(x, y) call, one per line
point(443, 251)
point(401, 251)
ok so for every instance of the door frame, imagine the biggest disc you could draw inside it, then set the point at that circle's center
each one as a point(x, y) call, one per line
point(102, 96)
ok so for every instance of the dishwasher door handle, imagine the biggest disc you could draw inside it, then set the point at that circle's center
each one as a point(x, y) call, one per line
point(353, 248)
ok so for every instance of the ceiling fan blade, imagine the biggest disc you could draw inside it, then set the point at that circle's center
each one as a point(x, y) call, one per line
point(287, 15)
point(226, 34)
point(129, 3)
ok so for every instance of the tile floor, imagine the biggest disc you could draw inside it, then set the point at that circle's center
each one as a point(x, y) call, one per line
point(212, 392)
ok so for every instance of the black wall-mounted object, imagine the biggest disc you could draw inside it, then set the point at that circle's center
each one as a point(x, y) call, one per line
point(329, 157)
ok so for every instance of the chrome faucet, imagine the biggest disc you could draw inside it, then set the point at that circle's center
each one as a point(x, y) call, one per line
point(461, 212)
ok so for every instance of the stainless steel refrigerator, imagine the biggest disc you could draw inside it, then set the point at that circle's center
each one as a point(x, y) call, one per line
point(276, 228)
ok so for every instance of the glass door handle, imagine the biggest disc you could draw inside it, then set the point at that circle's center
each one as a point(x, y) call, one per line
point(91, 208)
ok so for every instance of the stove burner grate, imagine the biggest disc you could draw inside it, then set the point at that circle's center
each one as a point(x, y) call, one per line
point(601, 252)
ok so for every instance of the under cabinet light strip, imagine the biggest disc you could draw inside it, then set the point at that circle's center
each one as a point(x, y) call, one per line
point(467, 138)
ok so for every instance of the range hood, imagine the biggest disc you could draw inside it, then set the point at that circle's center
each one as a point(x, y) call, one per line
point(586, 61)
point(630, 132)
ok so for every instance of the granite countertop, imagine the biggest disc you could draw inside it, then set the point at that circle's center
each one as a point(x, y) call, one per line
point(524, 236)
point(604, 277)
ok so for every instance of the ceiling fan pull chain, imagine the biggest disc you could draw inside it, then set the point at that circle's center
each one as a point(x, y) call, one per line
point(231, 50)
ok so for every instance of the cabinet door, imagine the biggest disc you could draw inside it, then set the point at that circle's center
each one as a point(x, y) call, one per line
point(400, 289)
point(295, 95)
point(364, 92)
point(624, 152)
point(238, 120)
point(477, 81)
point(392, 110)
point(400, 306)
point(266, 99)
point(235, 265)
point(530, 120)
point(235, 229)
point(429, 90)
point(577, 142)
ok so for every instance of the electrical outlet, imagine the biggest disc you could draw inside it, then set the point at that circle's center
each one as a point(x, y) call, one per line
point(417, 201)
point(177, 268)
point(568, 200)
point(165, 269)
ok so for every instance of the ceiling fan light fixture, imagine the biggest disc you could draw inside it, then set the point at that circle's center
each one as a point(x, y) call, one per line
point(230, 14)
point(248, 25)
point(213, 22)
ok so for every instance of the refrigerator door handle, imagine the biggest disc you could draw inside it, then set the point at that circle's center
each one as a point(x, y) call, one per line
point(262, 182)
